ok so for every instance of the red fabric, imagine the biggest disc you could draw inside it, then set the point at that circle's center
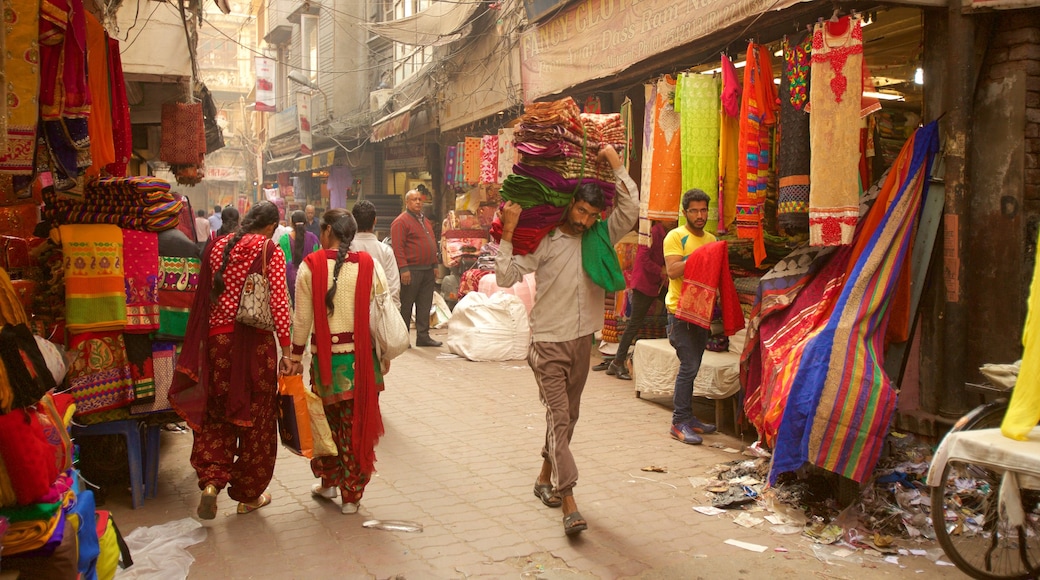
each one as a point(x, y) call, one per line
point(121, 130)
point(525, 240)
point(706, 276)
point(30, 460)
point(368, 422)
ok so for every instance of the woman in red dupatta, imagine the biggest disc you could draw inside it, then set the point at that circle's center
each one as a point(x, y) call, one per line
point(334, 287)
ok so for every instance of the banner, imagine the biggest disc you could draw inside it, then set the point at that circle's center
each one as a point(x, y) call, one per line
point(303, 106)
point(593, 39)
point(265, 84)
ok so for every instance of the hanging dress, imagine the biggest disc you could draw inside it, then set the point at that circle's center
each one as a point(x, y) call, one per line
point(662, 156)
point(729, 151)
point(757, 118)
point(697, 100)
point(793, 152)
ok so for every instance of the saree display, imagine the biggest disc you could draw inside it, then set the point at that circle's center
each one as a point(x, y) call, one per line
point(757, 118)
point(662, 154)
point(697, 100)
point(95, 298)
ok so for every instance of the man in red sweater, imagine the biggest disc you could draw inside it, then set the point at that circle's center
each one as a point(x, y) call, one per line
point(415, 247)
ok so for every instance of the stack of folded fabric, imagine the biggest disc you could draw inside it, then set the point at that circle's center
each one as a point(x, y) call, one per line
point(137, 203)
point(557, 147)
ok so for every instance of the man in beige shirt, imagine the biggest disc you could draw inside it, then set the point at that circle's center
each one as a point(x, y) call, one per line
point(568, 310)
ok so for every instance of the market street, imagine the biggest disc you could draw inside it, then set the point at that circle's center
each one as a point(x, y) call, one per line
point(459, 457)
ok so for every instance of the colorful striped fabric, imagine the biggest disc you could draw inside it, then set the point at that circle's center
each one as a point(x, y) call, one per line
point(841, 400)
point(757, 117)
point(95, 298)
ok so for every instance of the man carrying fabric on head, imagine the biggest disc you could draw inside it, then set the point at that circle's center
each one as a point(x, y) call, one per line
point(313, 223)
point(686, 338)
point(365, 241)
point(415, 247)
point(568, 310)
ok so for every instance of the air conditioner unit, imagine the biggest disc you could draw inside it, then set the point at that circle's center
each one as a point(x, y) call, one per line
point(377, 100)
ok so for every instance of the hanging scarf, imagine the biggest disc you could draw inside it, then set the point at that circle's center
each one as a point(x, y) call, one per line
point(368, 422)
point(599, 258)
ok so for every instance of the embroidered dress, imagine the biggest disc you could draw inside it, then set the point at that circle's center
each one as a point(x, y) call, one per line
point(836, 106)
point(729, 150)
point(793, 152)
point(95, 299)
point(697, 100)
point(460, 164)
point(662, 156)
point(99, 376)
point(757, 117)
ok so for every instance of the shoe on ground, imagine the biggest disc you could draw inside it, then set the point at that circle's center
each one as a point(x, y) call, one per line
point(318, 490)
point(207, 509)
point(602, 366)
point(427, 342)
point(683, 432)
point(699, 426)
point(348, 508)
point(619, 371)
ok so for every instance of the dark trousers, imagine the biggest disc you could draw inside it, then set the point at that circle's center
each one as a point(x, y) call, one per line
point(641, 304)
point(420, 294)
point(689, 341)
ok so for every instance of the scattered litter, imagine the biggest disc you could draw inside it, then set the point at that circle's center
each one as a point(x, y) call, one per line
point(718, 488)
point(393, 525)
point(776, 520)
point(822, 533)
point(780, 549)
point(918, 552)
point(450, 356)
point(747, 520)
point(635, 477)
point(942, 563)
point(655, 469)
point(892, 560)
point(843, 552)
point(733, 498)
point(832, 555)
point(746, 545)
point(698, 482)
point(756, 450)
point(700, 556)
point(708, 510)
point(786, 530)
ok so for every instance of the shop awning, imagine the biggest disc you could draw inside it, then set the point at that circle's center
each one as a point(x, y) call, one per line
point(317, 160)
point(280, 165)
point(441, 23)
point(395, 123)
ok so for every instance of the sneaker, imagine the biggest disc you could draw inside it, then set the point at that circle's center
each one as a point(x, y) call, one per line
point(619, 371)
point(683, 432)
point(699, 426)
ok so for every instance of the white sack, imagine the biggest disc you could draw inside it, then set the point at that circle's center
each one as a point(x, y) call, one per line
point(489, 328)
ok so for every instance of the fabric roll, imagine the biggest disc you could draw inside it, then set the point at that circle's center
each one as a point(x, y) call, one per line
point(95, 298)
point(697, 101)
point(662, 155)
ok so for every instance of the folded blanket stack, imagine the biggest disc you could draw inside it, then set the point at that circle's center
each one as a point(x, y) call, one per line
point(136, 203)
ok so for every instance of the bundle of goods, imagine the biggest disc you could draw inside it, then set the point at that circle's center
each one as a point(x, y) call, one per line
point(557, 147)
point(137, 203)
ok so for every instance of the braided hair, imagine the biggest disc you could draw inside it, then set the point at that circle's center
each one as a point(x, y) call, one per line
point(342, 226)
point(257, 218)
point(229, 221)
point(299, 225)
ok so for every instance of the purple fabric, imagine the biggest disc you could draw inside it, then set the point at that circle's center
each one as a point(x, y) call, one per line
point(554, 181)
point(310, 241)
point(340, 178)
point(646, 272)
point(540, 216)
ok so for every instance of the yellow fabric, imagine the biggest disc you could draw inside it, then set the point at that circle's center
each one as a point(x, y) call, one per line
point(681, 242)
point(1024, 410)
point(8, 497)
point(11, 312)
point(108, 560)
point(29, 535)
point(729, 168)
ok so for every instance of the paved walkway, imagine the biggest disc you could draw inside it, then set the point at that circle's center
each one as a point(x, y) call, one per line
point(459, 457)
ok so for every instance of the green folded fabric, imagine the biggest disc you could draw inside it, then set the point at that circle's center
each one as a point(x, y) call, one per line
point(529, 192)
point(36, 511)
point(599, 258)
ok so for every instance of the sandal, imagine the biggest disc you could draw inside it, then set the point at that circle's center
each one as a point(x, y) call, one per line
point(319, 490)
point(208, 504)
point(573, 523)
point(544, 492)
point(245, 508)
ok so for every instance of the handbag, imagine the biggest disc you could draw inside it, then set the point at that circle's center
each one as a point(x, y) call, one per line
point(389, 333)
point(254, 308)
point(302, 424)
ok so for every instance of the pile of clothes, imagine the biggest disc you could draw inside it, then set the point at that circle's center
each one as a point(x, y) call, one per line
point(139, 203)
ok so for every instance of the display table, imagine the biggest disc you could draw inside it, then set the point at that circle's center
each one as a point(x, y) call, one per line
point(655, 365)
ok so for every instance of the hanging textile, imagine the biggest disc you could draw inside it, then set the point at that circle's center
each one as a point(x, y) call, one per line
point(506, 154)
point(450, 159)
point(729, 149)
point(757, 118)
point(99, 374)
point(836, 102)
point(841, 401)
point(697, 101)
point(99, 124)
point(793, 152)
point(472, 161)
point(460, 164)
point(95, 299)
point(22, 79)
point(662, 156)
point(121, 131)
point(489, 159)
point(141, 280)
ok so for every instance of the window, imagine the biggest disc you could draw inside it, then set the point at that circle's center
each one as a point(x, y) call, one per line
point(309, 46)
point(409, 59)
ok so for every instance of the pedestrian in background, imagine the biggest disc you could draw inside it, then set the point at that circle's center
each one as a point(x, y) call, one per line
point(415, 248)
point(296, 245)
point(364, 213)
point(313, 223)
point(229, 222)
point(567, 312)
point(201, 229)
point(215, 219)
point(227, 372)
point(345, 372)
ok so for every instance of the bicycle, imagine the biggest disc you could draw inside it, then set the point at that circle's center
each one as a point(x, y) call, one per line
point(986, 509)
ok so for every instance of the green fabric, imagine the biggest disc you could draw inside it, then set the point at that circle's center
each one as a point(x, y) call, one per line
point(284, 243)
point(173, 322)
point(599, 258)
point(529, 192)
point(36, 511)
point(342, 387)
point(697, 101)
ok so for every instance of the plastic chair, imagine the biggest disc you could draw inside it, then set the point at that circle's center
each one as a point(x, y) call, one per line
point(151, 460)
point(130, 429)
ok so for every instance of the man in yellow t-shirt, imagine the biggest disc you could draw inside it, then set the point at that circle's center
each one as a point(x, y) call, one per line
point(687, 339)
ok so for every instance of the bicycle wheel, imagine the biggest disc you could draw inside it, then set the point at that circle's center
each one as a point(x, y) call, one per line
point(988, 416)
point(975, 533)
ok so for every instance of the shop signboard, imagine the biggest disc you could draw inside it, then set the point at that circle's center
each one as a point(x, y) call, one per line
point(593, 39)
point(537, 9)
point(219, 173)
point(284, 122)
point(404, 157)
point(265, 84)
point(303, 105)
point(999, 4)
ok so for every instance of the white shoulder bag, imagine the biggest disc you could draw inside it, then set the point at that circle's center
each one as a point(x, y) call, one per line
point(389, 334)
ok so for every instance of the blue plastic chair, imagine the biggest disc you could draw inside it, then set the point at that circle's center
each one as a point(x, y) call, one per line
point(130, 429)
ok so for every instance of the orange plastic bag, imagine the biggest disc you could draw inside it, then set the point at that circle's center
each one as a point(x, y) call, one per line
point(294, 421)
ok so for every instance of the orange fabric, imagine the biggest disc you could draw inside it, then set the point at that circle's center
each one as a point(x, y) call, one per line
point(99, 123)
point(665, 160)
